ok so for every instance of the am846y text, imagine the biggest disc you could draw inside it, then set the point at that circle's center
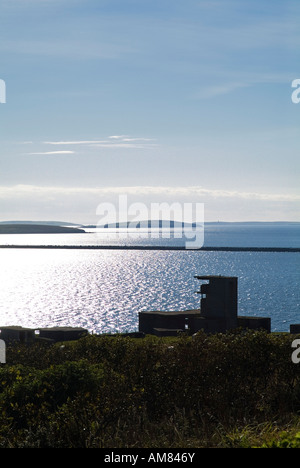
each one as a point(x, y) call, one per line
point(152, 457)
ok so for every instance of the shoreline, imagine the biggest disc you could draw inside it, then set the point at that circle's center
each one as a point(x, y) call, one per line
point(153, 247)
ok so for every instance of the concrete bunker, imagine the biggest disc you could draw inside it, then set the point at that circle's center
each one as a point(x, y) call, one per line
point(16, 333)
point(57, 334)
point(218, 312)
point(10, 334)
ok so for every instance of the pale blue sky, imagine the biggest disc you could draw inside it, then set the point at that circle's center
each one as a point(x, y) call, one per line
point(186, 101)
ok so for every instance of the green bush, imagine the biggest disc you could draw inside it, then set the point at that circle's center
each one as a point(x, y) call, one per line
point(105, 391)
point(285, 440)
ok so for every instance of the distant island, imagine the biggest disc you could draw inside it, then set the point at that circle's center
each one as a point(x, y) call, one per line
point(59, 227)
point(145, 224)
point(179, 224)
point(15, 228)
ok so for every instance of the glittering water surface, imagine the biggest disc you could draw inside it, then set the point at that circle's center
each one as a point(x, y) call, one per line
point(103, 290)
point(215, 234)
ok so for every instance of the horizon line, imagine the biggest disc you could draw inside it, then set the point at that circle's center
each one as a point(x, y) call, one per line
point(145, 220)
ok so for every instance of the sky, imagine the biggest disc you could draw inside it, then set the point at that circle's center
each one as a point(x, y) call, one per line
point(161, 101)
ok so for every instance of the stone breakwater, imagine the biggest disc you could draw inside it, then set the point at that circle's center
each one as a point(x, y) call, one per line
point(152, 247)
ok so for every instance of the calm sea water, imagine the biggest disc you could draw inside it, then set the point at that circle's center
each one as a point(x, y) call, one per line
point(103, 290)
point(215, 234)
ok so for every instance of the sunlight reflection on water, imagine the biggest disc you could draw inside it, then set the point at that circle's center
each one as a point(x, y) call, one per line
point(104, 290)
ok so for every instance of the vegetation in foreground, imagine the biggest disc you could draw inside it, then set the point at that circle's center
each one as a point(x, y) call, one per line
point(232, 390)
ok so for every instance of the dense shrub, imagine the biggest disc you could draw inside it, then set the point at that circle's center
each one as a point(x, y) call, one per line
point(104, 391)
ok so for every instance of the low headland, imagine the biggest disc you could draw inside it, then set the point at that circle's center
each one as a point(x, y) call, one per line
point(38, 229)
point(52, 227)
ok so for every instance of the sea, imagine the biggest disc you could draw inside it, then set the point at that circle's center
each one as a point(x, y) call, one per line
point(104, 289)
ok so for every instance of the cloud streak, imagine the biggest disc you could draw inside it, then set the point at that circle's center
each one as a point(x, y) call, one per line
point(68, 49)
point(80, 204)
point(111, 142)
point(230, 84)
point(46, 153)
point(78, 142)
point(166, 191)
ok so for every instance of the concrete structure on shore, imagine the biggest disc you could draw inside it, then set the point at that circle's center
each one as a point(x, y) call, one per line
point(295, 329)
point(56, 334)
point(218, 312)
point(218, 303)
point(29, 335)
point(15, 333)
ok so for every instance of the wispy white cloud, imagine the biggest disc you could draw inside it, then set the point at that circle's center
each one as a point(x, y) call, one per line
point(137, 139)
point(166, 191)
point(117, 137)
point(208, 92)
point(124, 145)
point(76, 142)
point(111, 142)
point(51, 152)
point(230, 84)
point(80, 204)
point(70, 49)
point(67, 147)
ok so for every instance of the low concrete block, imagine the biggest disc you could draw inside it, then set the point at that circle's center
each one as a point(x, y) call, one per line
point(254, 323)
point(62, 333)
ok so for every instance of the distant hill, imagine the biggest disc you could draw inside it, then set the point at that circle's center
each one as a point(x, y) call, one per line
point(145, 224)
point(37, 229)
